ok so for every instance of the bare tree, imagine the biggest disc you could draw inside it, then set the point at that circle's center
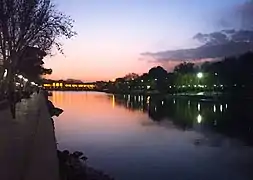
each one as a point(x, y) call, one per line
point(29, 23)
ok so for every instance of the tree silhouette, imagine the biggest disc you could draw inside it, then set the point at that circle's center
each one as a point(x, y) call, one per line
point(29, 23)
point(31, 64)
point(185, 68)
point(131, 76)
point(157, 72)
point(159, 77)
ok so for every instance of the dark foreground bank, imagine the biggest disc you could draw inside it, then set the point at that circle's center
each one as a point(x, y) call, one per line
point(73, 166)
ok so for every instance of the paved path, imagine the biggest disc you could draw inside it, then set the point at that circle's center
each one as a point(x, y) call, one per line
point(27, 143)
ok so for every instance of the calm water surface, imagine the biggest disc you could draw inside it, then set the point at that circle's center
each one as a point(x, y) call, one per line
point(153, 138)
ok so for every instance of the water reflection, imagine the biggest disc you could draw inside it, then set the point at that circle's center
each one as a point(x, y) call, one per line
point(113, 101)
point(198, 106)
point(199, 118)
point(153, 137)
point(235, 121)
point(221, 108)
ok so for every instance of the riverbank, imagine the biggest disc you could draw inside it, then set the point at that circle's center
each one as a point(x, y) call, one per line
point(28, 145)
point(28, 148)
point(73, 166)
point(198, 96)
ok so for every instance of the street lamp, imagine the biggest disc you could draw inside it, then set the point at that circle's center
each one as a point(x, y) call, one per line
point(200, 75)
point(20, 77)
point(5, 73)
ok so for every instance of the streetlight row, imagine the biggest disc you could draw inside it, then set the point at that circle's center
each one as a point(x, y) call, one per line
point(195, 86)
point(183, 86)
point(199, 75)
point(21, 77)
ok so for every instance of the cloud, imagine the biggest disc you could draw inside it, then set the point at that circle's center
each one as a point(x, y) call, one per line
point(237, 39)
point(215, 38)
point(203, 52)
point(225, 37)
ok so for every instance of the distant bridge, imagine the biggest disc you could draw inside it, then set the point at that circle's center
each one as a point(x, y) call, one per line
point(61, 86)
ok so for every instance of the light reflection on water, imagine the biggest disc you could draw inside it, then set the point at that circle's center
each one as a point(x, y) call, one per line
point(140, 137)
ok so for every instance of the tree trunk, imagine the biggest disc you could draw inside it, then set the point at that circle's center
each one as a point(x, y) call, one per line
point(1, 80)
point(11, 84)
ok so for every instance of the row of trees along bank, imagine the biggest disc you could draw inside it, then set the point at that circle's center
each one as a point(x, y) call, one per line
point(231, 75)
point(29, 29)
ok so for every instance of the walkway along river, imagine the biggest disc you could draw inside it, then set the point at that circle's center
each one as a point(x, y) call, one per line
point(28, 146)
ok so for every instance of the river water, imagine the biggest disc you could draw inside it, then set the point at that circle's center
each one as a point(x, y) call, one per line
point(157, 138)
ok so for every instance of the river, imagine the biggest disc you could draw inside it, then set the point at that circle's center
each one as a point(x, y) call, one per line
point(157, 138)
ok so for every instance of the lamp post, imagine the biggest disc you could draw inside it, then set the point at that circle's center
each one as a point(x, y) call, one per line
point(5, 73)
point(199, 75)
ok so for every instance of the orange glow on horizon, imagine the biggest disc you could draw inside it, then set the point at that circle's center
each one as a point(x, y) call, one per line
point(88, 68)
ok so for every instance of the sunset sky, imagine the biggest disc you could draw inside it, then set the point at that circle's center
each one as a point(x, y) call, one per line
point(113, 33)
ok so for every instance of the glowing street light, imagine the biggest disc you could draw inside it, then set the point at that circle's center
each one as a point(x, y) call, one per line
point(198, 107)
point(199, 118)
point(200, 75)
point(20, 77)
point(26, 80)
point(148, 99)
point(5, 73)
